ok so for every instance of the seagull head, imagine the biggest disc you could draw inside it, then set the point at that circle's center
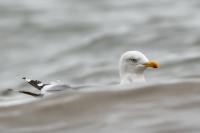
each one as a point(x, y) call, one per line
point(132, 65)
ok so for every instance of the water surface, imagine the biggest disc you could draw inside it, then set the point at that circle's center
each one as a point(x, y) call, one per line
point(80, 42)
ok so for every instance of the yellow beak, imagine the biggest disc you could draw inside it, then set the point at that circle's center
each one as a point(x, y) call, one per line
point(152, 64)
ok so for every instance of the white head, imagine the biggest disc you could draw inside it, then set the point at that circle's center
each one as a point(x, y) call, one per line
point(132, 65)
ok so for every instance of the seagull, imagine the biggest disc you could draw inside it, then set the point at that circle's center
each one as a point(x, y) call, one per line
point(132, 65)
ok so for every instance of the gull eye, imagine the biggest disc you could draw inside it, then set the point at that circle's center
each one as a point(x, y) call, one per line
point(132, 60)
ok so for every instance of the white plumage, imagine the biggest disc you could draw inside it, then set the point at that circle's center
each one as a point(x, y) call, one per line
point(132, 65)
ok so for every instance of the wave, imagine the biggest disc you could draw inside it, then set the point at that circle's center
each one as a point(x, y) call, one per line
point(163, 107)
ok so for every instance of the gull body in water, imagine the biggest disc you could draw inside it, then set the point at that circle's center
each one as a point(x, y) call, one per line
point(132, 65)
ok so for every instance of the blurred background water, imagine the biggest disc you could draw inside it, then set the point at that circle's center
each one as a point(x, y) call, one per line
point(79, 42)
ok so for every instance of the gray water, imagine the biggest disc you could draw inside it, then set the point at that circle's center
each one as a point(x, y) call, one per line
point(79, 42)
